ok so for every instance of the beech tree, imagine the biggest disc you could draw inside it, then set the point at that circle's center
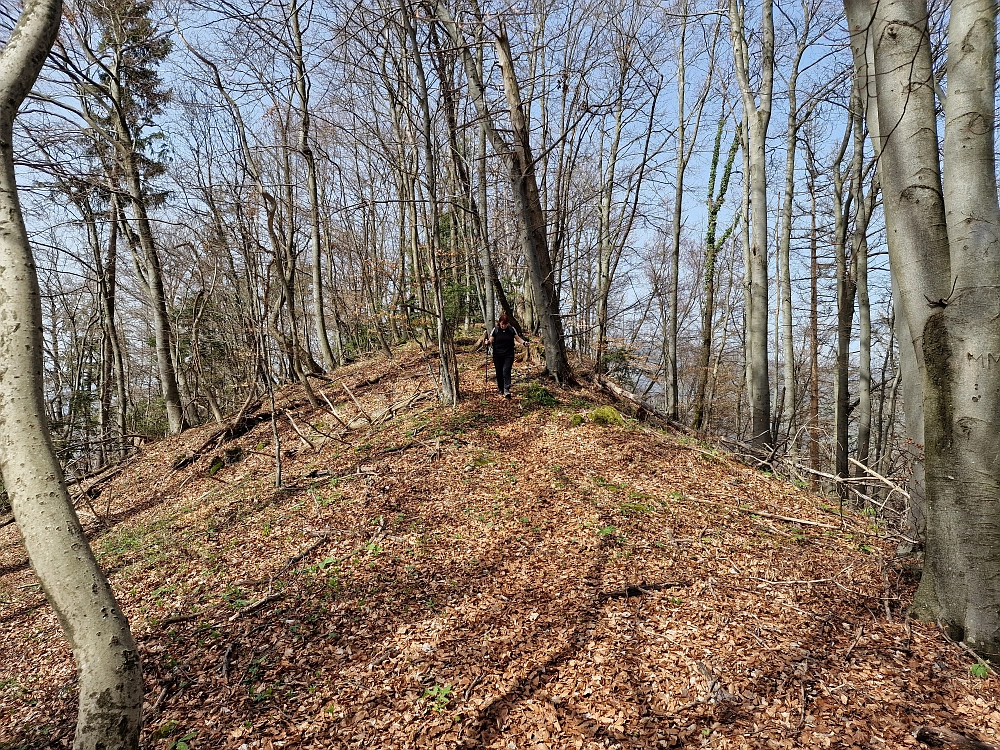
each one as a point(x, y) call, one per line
point(757, 101)
point(943, 227)
point(106, 656)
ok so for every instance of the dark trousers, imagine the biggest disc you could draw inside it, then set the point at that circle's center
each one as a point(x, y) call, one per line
point(503, 364)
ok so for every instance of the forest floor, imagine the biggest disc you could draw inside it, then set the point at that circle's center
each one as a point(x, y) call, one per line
point(500, 575)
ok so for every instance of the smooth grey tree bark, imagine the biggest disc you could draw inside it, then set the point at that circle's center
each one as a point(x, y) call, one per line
point(532, 224)
point(302, 87)
point(107, 659)
point(944, 242)
point(685, 148)
point(757, 110)
point(794, 122)
point(859, 18)
point(446, 343)
point(846, 294)
point(111, 65)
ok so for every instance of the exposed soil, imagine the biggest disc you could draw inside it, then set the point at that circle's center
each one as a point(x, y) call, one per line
point(489, 576)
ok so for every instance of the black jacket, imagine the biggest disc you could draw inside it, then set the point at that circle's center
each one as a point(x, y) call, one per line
point(503, 341)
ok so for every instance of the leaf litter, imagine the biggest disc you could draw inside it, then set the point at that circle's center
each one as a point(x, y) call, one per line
point(500, 575)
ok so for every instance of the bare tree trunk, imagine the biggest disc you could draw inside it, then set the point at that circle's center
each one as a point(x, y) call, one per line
point(757, 108)
point(106, 655)
point(302, 88)
point(541, 272)
point(446, 344)
point(859, 250)
point(944, 233)
point(747, 275)
point(673, 394)
point(785, 236)
point(814, 428)
point(492, 280)
point(153, 278)
point(524, 186)
point(713, 244)
point(845, 312)
point(149, 260)
point(110, 276)
point(860, 15)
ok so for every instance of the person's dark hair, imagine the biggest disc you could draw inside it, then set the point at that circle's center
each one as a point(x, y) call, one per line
point(503, 319)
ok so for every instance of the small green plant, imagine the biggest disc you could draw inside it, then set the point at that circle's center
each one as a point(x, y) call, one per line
point(607, 416)
point(162, 590)
point(979, 670)
point(183, 743)
point(576, 420)
point(438, 696)
point(602, 482)
point(634, 509)
point(374, 549)
point(481, 459)
point(217, 463)
point(122, 541)
point(606, 531)
point(538, 395)
point(165, 729)
point(236, 598)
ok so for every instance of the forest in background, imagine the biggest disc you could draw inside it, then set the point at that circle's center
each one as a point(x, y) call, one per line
point(227, 196)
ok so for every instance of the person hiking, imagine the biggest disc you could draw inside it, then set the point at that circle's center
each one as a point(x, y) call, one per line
point(502, 339)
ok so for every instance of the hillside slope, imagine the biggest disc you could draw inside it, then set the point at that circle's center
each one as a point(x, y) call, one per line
point(491, 576)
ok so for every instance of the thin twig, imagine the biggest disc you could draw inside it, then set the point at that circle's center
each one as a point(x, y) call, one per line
point(255, 606)
point(360, 409)
point(298, 432)
point(894, 486)
point(224, 669)
point(333, 411)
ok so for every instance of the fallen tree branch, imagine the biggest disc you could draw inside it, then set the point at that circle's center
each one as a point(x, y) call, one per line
point(300, 556)
point(940, 737)
point(765, 514)
point(895, 487)
point(616, 390)
point(333, 411)
point(162, 697)
point(93, 489)
point(298, 432)
point(638, 590)
point(240, 424)
point(255, 606)
point(356, 403)
point(224, 669)
point(173, 620)
point(787, 519)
